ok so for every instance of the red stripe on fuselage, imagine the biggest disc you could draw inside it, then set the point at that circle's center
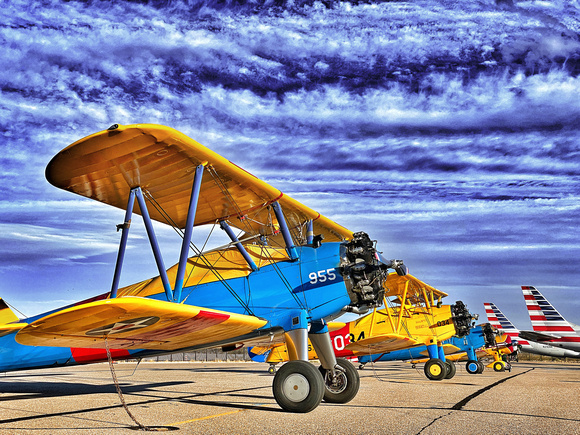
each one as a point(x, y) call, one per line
point(84, 355)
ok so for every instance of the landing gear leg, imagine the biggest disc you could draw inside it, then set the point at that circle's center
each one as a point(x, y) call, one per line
point(342, 387)
point(340, 377)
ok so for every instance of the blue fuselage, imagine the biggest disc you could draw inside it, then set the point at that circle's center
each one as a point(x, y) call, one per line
point(310, 288)
point(474, 340)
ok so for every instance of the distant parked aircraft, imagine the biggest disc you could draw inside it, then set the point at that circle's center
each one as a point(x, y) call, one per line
point(549, 326)
point(499, 320)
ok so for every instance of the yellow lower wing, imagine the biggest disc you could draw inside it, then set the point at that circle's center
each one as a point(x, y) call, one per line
point(382, 343)
point(136, 323)
point(11, 328)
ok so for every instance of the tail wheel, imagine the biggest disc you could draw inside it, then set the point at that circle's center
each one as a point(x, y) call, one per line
point(498, 366)
point(344, 386)
point(435, 369)
point(472, 367)
point(451, 369)
point(272, 369)
point(298, 387)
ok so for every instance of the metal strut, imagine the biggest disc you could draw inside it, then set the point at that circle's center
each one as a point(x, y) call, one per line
point(188, 232)
point(123, 244)
point(154, 244)
point(290, 248)
point(224, 226)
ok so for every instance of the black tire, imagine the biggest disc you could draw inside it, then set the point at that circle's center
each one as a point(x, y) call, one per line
point(498, 367)
point(272, 369)
point(481, 367)
point(346, 385)
point(298, 387)
point(472, 367)
point(435, 369)
point(451, 369)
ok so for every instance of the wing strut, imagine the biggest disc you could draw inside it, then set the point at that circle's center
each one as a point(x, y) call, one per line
point(224, 226)
point(124, 235)
point(188, 232)
point(285, 232)
point(136, 192)
point(154, 244)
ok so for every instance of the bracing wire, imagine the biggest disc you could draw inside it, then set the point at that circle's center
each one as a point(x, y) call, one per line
point(200, 254)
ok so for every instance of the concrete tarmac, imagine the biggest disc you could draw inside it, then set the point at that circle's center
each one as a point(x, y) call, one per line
point(236, 398)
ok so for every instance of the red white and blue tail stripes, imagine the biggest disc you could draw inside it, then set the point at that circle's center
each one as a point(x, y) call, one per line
point(497, 319)
point(544, 317)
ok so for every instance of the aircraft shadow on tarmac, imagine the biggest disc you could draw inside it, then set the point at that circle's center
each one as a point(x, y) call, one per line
point(34, 389)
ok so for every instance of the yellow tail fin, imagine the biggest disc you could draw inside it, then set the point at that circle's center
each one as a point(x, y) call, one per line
point(6, 314)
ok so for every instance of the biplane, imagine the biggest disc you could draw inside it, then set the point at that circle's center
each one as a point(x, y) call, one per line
point(412, 316)
point(286, 271)
point(482, 342)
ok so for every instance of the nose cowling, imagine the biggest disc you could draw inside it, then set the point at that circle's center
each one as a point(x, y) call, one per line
point(462, 318)
point(364, 271)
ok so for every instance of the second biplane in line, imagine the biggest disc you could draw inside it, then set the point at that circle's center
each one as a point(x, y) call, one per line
point(412, 316)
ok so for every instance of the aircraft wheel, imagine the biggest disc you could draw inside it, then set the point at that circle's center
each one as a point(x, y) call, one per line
point(451, 369)
point(361, 366)
point(272, 369)
point(298, 387)
point(481, 367)
point(344, 387)
point(472, 367)
point(498, 366)
point(435, 369)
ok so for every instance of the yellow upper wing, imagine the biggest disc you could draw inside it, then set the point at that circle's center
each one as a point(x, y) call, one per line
point(414, 291)
point(162, 161)
point(136, 323)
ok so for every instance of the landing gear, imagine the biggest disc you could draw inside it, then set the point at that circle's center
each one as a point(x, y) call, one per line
point(344, 386)
point(499, 366)
point(298, 387)
point(472, 367)
point(435, 369)
point(451, 369)
point(272, 369)
point(481, 367)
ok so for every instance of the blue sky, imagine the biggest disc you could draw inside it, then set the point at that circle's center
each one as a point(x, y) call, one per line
point(447, 130)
